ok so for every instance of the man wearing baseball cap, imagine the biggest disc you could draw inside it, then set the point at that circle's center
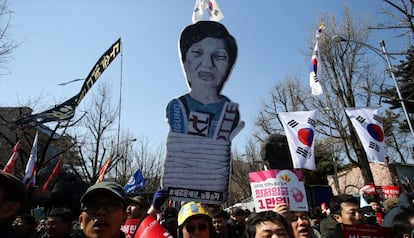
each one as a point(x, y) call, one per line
point(12, 198)
point(136, 209)
point(103, 210)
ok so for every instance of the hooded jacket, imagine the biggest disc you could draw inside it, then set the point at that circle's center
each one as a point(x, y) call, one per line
point(405, 204)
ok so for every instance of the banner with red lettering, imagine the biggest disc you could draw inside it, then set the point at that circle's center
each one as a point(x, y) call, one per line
point(272, 187)
point(388, 191)
point(365, 231)
point(129, 227)
point(383, 192)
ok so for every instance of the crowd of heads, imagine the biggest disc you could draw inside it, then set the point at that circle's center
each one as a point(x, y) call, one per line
point(105, 207)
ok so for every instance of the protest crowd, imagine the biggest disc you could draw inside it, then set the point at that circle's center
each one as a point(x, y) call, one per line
point(108, 211)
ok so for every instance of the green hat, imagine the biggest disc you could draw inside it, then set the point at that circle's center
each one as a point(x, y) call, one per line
point(138, 200)
point(111, 187)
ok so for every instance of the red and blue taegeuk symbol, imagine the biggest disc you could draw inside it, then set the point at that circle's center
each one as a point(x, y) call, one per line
point(375, 132)
point(305, 136)
point(210, 5)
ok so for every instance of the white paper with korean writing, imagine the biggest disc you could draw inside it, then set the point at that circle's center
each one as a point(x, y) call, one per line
point(271, 187)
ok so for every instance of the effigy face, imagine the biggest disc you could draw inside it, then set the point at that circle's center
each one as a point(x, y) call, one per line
point(202, 122)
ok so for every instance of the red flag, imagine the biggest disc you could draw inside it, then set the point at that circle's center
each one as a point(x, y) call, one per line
point(9, 168)
point(53, 175)
point(103, 169)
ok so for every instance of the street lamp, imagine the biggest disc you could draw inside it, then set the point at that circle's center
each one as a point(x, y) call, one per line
point(384, 55)
point(124, 157)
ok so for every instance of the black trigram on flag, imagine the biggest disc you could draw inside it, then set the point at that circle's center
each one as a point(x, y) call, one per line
point(374, 146)
point(293, 123)
point(216, 12)
point(377, 118)
point(311, 122)
point(302, 151)
point(360, 119)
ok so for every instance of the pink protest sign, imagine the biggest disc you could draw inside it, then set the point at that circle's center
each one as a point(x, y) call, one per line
point(272, 187)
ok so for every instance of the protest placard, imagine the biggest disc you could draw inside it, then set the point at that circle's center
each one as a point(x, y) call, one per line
point(272, 187)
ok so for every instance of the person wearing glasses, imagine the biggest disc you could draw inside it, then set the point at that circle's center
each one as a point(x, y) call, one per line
point(194, 221)
point(59, 223)
point(103, 210)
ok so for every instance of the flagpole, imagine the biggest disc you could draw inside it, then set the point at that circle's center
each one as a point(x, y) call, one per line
point(120, 103)
point(385, 56)
point(397, 88)
point(334, 160)
point(327, 108)
point(335, 163)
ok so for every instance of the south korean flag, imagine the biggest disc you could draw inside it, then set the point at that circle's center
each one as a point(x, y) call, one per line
point(368, 126)
point(300, 130)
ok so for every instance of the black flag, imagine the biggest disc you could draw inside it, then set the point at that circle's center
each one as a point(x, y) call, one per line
point(66, 110)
